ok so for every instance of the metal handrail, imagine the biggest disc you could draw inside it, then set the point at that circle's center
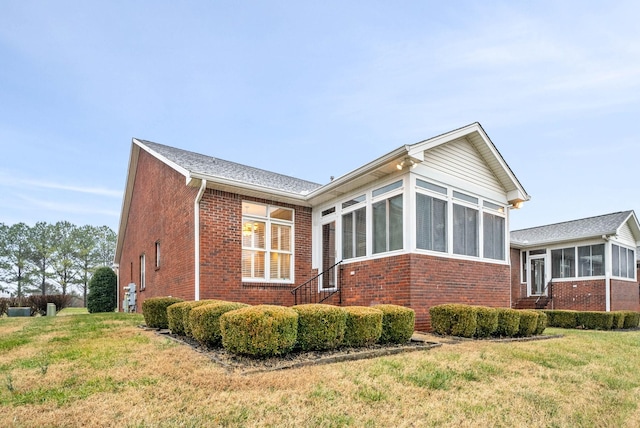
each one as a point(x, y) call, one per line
point(306, 289)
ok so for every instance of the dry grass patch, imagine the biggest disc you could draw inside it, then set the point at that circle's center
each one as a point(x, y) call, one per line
point(110, 373)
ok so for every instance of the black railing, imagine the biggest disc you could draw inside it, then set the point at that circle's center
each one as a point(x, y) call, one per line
point(320, 287)
point(546, 296)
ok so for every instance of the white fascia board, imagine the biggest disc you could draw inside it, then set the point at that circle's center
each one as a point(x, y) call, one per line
point(381, 161)
point(163, 159)
point(126, 199)
point(632, 220)
point(241, 187)
point(549, 242)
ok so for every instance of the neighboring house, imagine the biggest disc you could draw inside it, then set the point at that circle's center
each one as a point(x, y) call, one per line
point(422, 225)
point(587, 264)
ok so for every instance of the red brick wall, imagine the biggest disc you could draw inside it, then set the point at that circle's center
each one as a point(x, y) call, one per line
point(518, 290)
point(420, 281)
point(625, 295)
point(221, 251)
point(579, 295)
point(161, 210)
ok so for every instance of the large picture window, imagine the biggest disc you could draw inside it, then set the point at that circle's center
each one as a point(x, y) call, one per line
point(493, 235)
point(465, 230)
point(387, 225)
point(267, 236)
point(591, 260)
point(623, 261)
point(431, 223)
point(563, 263)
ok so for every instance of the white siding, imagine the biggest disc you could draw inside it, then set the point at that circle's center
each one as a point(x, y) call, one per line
point(461, 160)
point(625, 236)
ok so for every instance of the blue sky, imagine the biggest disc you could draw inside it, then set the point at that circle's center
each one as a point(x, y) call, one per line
point(315, 90)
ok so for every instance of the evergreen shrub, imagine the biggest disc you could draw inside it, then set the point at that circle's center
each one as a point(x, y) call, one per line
point(178, 315)
point(454, 319)
point(154, 310)
point(561, 318)
point(320, 327)
point(631, 319)
point(542, 323)
point(398, 323)
point(618, 320)
point(486, 321)
point(260, 331)
point(102, 291)
point(364, 326)
point(204, 321)
point(528, 323)
point(594, 320)
point(508, 322)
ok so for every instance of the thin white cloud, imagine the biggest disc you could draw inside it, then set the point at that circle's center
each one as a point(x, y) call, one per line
point(71, 208)
point(7, 180)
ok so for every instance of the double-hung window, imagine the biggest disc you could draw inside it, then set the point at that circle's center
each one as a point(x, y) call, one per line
point(387, 219)
point(431, 217)
point(267, 242)
point(465, 226)
point(354, 228)
point(143, 275)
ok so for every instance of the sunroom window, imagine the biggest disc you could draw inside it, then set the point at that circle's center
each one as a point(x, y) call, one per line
point(387, 220)
point(465, 230)
point(354, 233)
point(623, 261)
point(493, 235)
point(266, 236)
point(591, 260)
point(563, 263)
point(431, 223)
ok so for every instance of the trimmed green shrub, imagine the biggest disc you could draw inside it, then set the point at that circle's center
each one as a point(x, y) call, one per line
point(320, 326)
point(205, 321)
point(364, 326)
point(508, 322)
point(178, 315)
point(454, 319)
point(186, 311)
point(542, 323)
point(154, 310)
point(486, 321)
point(102, 291)
point(528, 322)
point(38, 302)
point(631, 319)
point(260, 331)
point(398, 323)
point(618, 320)
point(594, 320)
point(561, 318)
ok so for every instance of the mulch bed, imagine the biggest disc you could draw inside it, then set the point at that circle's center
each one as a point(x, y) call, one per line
point(233, 363)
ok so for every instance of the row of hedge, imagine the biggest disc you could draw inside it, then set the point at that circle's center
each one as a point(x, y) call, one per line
point(266, 330)
point(37, 303)
point(481, 322)
point(593, 320)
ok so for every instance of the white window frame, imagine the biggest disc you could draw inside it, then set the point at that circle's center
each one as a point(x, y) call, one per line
point(434, 195)
point(268, 251)
point(634, 268)
point(351, 209)
point(143, 272)
point(386, 196)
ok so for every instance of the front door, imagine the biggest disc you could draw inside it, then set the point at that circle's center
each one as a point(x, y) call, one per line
point(328, 279)
point(537, 277)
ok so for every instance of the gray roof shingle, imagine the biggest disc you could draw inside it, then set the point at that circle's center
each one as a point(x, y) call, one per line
point(215, 167)
point(570, 230)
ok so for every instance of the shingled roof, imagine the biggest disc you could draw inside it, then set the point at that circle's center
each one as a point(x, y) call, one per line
point(607, 224)
point(207, 166)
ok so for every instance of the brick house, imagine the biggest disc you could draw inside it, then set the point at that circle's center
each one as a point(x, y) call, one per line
point(422, 225)
point(586, 264)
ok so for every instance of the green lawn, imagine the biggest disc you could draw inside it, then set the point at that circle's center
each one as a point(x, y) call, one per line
point(101, 370)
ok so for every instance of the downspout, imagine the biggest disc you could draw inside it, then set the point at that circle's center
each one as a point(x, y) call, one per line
point(607, 274)
point(196, 227)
